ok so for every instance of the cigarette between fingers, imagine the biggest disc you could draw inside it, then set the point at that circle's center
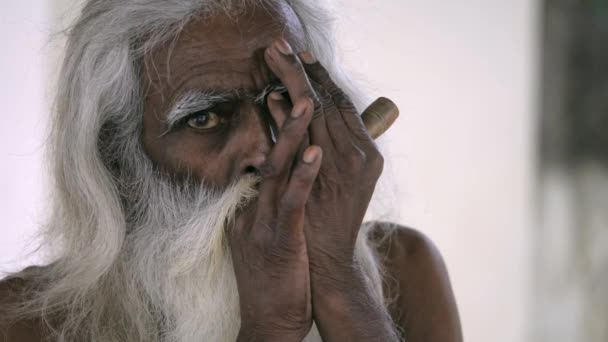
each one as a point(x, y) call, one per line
point(380, 116)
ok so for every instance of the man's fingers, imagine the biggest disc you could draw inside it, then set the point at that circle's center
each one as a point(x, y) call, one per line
point(346, 108)
point(319, 74)
point(287, 67)
point(279, 108)
point(318, 130)
point(276, 170)
point(242, 223)
point(301, 181)
point(334, 132)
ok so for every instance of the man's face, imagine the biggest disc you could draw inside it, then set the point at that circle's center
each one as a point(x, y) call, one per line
point(200, 115)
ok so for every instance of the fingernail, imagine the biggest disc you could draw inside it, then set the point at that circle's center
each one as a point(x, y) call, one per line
point(297, 111)
point(284, 47)
point(268, 54)
point(276, 96)
point(310, 155)
point(307, 57)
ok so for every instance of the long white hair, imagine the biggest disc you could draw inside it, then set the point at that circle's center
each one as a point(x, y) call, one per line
point(126, 249)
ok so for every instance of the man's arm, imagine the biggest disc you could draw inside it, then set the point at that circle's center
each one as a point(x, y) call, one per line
point(423, 304)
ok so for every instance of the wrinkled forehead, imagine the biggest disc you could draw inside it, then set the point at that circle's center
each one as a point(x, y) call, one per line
point(222, 52)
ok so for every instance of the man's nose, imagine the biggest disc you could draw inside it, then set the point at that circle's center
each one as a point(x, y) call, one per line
point(255, 139)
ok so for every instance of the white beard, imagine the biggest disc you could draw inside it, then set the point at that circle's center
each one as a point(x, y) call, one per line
point(173, 280)
point(178, 263)
point(181, 262)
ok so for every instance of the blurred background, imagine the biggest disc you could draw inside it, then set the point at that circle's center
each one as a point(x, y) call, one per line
point(500, 155)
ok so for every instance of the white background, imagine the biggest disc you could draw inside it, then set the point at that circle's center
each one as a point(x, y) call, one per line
point(463, 74)
point(24, 34)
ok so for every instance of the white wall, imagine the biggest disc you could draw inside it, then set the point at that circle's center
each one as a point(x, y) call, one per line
point(23, 38)
point(463, 75)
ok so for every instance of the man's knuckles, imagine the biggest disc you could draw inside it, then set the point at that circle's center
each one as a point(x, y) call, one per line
point(305, 102)
point(375, 163)
point(319, 74)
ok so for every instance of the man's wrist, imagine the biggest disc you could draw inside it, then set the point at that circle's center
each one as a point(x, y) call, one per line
point(341, 315)
point(333, 278)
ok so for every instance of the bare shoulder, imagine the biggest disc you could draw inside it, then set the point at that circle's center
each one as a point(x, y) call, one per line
point(12, 292)
point(416, 284)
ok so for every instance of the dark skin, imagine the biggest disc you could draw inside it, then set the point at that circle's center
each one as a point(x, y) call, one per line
point(293, 248)
point(299, 250)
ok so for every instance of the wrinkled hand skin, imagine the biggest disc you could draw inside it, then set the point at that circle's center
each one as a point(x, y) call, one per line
point(351, 166)
point(267, 241)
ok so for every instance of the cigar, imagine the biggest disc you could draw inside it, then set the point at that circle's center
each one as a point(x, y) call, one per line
point(380, 116)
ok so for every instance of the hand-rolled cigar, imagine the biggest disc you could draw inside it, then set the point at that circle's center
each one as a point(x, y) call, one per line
point(380, 116)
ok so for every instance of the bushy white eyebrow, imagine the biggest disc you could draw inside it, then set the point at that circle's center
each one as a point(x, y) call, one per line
point(195, 101)
point(192, 102)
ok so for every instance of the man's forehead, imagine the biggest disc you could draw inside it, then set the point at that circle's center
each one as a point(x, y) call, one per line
point(254, 21)
point(240, 93)
point(224, 53)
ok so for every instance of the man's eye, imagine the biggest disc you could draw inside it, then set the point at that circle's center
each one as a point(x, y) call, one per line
point(204, 120)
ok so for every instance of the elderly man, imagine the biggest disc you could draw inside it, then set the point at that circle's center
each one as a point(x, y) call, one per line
point(211, 179)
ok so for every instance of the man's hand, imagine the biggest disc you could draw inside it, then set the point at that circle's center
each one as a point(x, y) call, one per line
point(343, 308)
point(268, 244)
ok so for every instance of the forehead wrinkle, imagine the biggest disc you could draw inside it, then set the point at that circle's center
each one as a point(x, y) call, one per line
point(208, 68)
point(170, 59)
point(243, 53)
point(173, 67)
point(230, 77)
point(233, 94)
